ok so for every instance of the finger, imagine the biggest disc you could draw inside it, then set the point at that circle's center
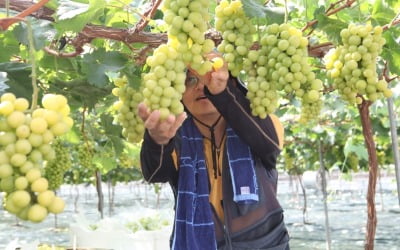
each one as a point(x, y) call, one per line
point(143, 111)
point(178, 122)
point(220, 75)
point(165, 125)
point(152, 120)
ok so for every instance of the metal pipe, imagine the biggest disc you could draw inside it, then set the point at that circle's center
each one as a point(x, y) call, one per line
point(395, 146)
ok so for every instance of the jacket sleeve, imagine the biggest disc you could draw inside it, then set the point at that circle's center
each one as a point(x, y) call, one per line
point(156, 160)
point(264, 136)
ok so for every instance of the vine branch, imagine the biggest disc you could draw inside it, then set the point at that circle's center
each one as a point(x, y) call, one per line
point(153, 40)
point(385, 74)
point(5, 23)
point(330, 11)
point(147, 16)
point(395, 21)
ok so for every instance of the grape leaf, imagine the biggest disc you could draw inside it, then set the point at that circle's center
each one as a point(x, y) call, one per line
point(275, 15)
point(309, 6)
point(9, 46)
point(19, 80)
point(59, 64)
point(104, 163)
point(73, 16)
point(255, 9)
point(113, 60)
point(113, 132)
point(391, 51)
point(352, 147)
point(42, 32)
point(133, 73)
point(393, 58)
point(69, 9)
point(382, 13)
point(96, 75)
point(330, 26)
point(96, 64)
point(80, 91)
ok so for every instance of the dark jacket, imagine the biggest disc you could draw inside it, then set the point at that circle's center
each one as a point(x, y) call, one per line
point(255, 226)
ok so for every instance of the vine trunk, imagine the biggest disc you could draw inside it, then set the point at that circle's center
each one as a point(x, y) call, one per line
point(363, 109)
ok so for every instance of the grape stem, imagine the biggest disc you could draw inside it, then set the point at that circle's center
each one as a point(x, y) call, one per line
point(31, 46)
point(286, 12)
point(32, 51)
point(385, 74)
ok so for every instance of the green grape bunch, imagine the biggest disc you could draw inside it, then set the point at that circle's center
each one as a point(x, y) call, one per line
point(126, 107)
point(352, 65)
point(85, 151)
point(353, 161)
point(164, 83)
point(27, 143)
point(187, 22)
point(262, 92)
point(127, 161)
point(56, 168)
point(237, 33)
point(280, 69)
point(310, 110)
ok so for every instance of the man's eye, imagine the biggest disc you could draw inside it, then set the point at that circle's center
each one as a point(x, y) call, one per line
point(191, 81)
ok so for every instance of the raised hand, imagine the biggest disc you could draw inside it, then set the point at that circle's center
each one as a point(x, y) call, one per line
point(161, 131)
point(218, 76)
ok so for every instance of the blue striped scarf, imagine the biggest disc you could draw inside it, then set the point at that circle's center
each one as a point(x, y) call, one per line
point(194, 226)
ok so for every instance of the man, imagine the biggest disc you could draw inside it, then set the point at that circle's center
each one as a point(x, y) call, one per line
point(220, 162)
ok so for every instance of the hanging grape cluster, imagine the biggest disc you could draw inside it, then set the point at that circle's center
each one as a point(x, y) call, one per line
point(126, 107)
point(352, 65)
point(187, 20)
point(85, 151)
point(56, 168)
point(26, 138)
point(237, 33)
point(262, 92)
point(127, 161)
point(164, 84)
point(280, 69)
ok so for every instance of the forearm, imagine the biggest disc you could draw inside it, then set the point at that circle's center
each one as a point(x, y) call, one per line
point(259, 134)
point(156, 161)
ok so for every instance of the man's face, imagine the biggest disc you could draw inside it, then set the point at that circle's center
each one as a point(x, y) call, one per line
point(195, 100)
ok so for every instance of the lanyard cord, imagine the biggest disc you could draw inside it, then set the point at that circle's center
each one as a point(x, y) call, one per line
point(213, 144)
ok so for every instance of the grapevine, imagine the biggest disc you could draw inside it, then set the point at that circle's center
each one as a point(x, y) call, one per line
point(26, 145)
